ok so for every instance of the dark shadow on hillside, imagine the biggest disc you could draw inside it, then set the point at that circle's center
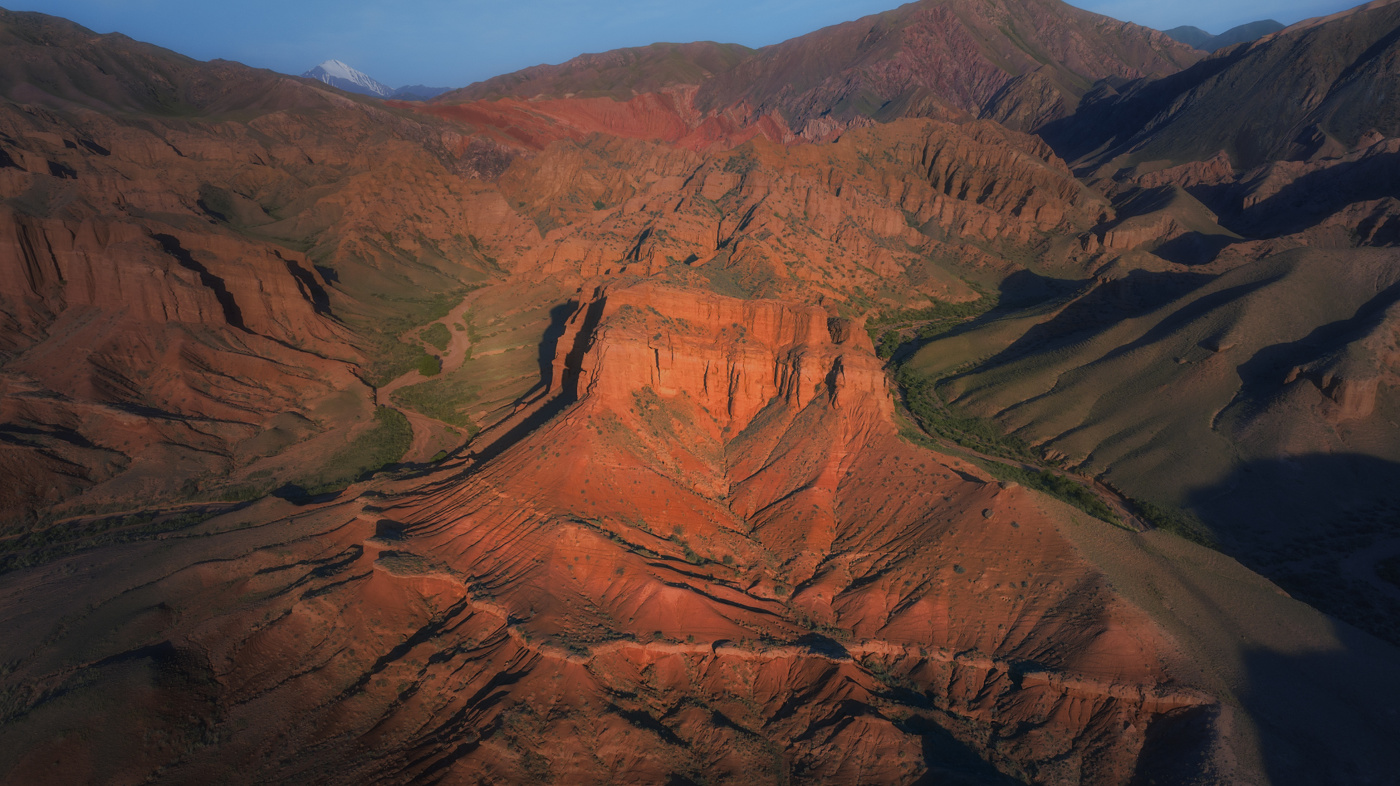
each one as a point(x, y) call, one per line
point(233, 315)
point(549, 343)
point(1025, 288)
point(567, 393)
point(1176, 746)
point(950, 762)
point(1134, 295)
point(1326, 716)
point(1263, 376)
point(1141, 202)
point(1191, 312)
point(1020, 291)
point(300, 496)
point(1310, 199)
point(1317, 526)
point(1110, 115)
point(1223, 199)
point(1193, 248)
point(548, 348)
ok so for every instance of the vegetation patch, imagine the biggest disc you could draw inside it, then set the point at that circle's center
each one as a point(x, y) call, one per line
point(890, 331)
point(1058, 486)
point(429, 365)
point(1181, 523)
point(388, 357)
point(984, 436)
point(382, 445)
point(438, 336)
point(446, 399)
point(935, 417)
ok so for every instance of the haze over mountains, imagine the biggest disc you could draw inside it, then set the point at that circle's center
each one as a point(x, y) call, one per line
point(985, 391)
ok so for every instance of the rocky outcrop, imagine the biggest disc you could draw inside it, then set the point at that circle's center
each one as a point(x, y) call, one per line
point(806, 222)
point(731, 358)
point(1214, 171)
point(1350, 376)
point(1027, 102)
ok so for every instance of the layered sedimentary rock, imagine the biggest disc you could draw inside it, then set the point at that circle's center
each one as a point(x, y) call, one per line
point(805, 221)
point(740, 572)
point(188, 301)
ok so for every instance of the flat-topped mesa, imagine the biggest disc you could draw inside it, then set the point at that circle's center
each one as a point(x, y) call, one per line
point(730, 357)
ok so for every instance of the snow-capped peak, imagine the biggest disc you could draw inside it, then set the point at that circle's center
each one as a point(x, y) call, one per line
point(345, 77)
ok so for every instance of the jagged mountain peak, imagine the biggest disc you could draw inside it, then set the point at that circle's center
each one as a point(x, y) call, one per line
point(344, 76)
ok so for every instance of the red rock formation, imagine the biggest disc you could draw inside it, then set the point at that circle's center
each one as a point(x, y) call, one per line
point(721, 542)
point(801, 222)
point(729, 484)
point(161, 336)
point(668, 116)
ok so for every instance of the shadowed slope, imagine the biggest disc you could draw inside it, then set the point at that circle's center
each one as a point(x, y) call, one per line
point(1316, 87)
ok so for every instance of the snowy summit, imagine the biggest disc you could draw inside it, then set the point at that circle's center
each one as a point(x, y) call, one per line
point(338, 74)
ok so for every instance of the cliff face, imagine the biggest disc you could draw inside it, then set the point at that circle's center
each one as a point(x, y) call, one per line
point(282, 244)
point(728, 357)
point(133, 345)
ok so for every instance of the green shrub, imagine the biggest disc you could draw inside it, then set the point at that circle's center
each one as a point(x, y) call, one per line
point(1057, 486)
point(984, 436)
point(1178, 522)
point(429, 365)
point(889, 331)
point(42, 546)
point(936, 418)
point(438, 336)
point(388, 357)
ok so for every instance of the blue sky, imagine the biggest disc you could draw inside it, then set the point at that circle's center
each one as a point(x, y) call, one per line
point(456, 42)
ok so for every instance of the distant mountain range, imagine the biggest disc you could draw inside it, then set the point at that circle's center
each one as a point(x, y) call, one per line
point(338, 74)
point(1200, 39)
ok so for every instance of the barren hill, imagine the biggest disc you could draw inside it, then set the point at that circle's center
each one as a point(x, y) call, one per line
point(1021, 62)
